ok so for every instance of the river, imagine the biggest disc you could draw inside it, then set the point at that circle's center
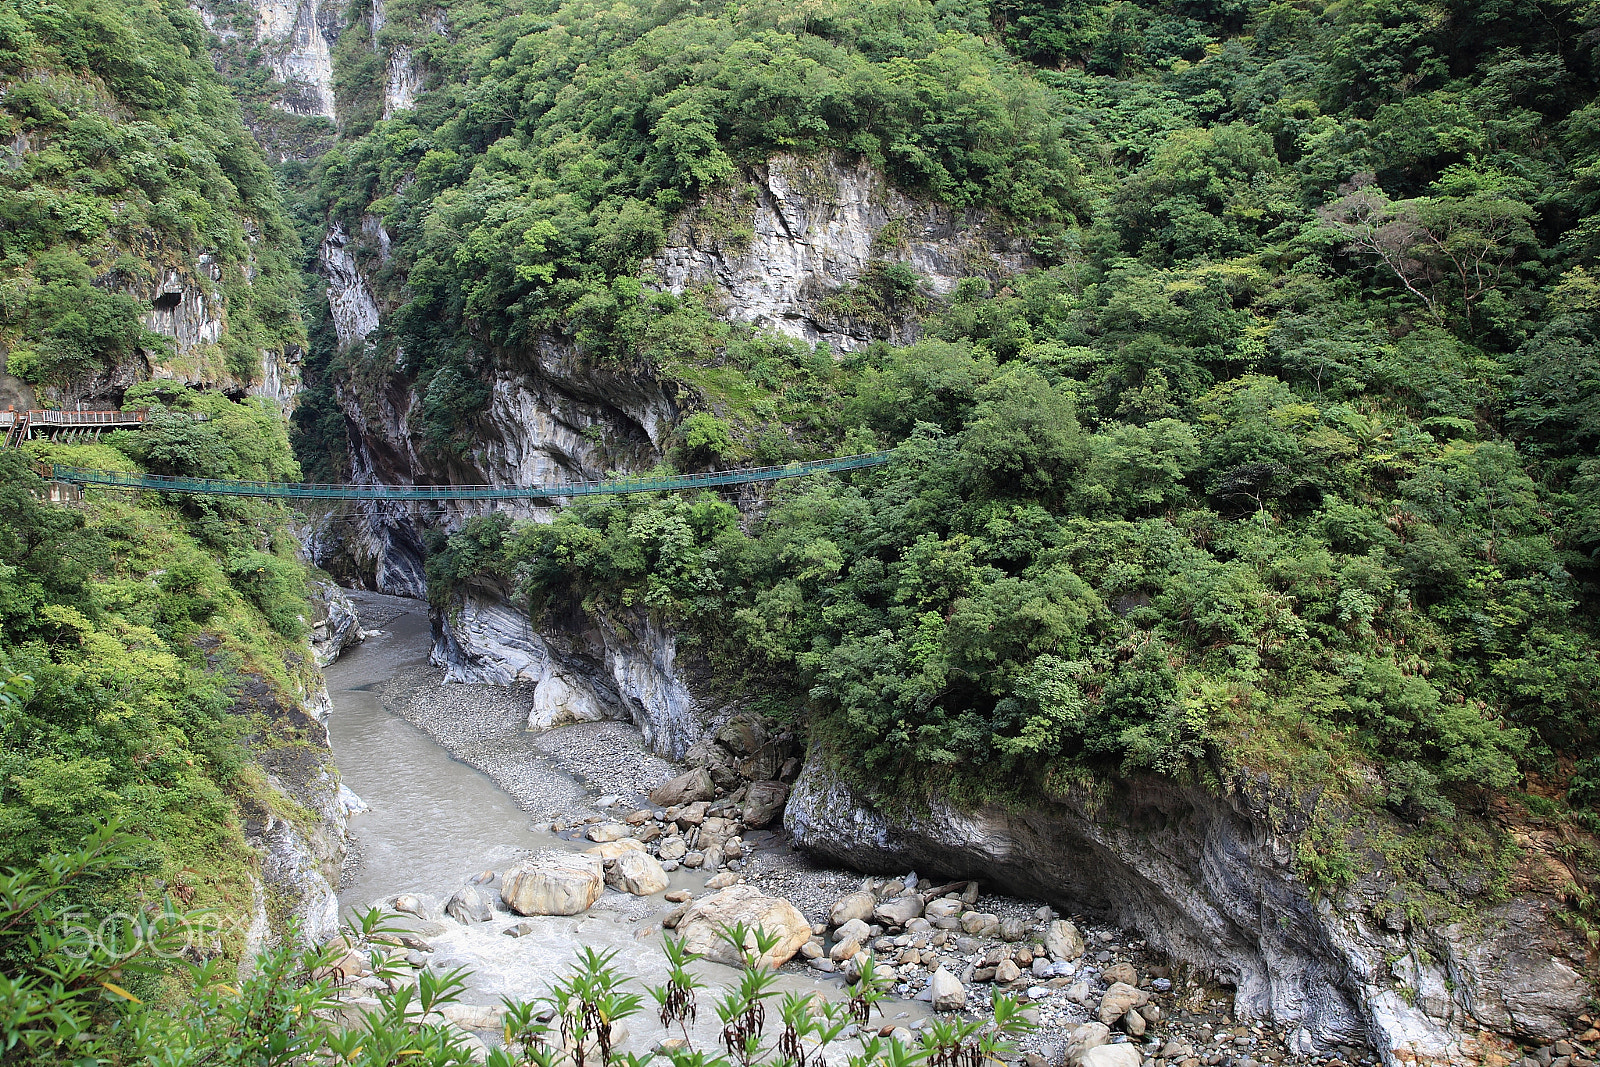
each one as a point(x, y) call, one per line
point(435, 822)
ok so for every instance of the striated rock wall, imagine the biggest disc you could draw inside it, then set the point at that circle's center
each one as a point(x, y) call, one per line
point(298, 38)
point(551, 418)
point(1208, 880)
point(403, 73)
point(804, 229)
point(403, 82)
point(300, 862)
point(335, 623)
point(301, 838)
point(187, 306)
point(15, 394)
point(279, 381)
point(350, 299)
point(583, 672)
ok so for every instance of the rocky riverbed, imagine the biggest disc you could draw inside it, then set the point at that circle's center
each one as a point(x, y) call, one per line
point(591, 784)
point(585, 819)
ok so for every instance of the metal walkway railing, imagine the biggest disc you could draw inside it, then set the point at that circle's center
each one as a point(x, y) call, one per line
point(314, 491)
point(17, 427)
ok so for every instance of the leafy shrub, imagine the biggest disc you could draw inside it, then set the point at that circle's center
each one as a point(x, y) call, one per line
point(706, 438)
point(275, 586)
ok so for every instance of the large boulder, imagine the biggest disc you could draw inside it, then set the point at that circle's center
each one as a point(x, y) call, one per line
point(1063, 941)
point(347, 963)
point(1120, 972)
point(717, 831)
point(743, 735)
point(1120, 999)
point(1081, 1039)
point(1126, 1055)
point(685, 789)
point(946, 991)
point(612, 849)
point(554, 883)
point(764, 802)
point(766, 763)
point(638, 873)
point(558, 701)
point(714, 759)
point(470, 905)
point(858, 905)
point(898, 911)
point(702, 924)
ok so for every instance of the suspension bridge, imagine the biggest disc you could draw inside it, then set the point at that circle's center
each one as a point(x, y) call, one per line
point(17, 427)
point(634, 483)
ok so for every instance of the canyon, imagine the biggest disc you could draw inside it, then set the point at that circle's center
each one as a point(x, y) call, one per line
point(1211, 880)
point(1213, 870)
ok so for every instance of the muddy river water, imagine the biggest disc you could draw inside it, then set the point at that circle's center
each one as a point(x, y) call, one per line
point(433, 823)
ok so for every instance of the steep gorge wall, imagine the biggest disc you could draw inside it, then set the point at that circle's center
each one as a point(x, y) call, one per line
point(298, 40)
point(584, 671)
point(773, 249)
point(800, 230)
point(298, 37)
point(1214, 880)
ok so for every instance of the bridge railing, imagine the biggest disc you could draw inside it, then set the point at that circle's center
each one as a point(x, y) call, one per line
point(641, 483)
point(88, 418)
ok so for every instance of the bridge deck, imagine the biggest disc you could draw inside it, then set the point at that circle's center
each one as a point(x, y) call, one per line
point(318, 491)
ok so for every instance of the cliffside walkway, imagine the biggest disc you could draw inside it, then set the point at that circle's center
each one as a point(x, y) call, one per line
point(19, 426)
point(315, 491)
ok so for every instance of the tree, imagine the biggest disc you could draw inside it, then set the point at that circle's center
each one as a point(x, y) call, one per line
point(706, 438)
point(1139, 469)
point(1443, 250)
point(1024, 436)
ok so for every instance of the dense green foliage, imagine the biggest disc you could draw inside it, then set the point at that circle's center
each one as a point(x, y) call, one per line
point(526, 191)
point(1277, 580)
point(129, 160)
point(1284, 457)
point(135, 622)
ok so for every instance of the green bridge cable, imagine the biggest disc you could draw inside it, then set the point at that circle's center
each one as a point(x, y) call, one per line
point(314, 491)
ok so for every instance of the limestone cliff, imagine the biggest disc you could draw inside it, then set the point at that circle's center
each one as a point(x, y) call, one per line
point(779, 249)
point(800, 231)
point(187, 306)
point(298, 38)
point(301, 836)
point(335, 624)
point(583, 671)
point(551, 416)
point(298, 44)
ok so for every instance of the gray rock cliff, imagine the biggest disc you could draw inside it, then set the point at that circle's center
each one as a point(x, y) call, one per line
point(1208, 880)
point(803, 229)
point(584, 671)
